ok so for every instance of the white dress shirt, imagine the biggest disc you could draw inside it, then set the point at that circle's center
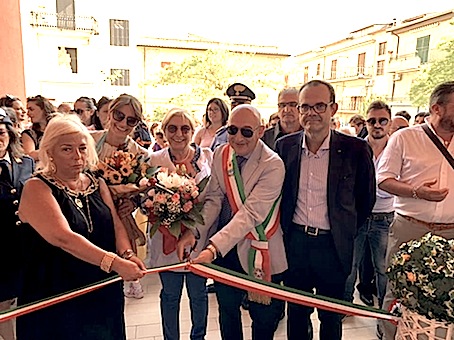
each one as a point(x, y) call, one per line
point(411, 157)
point(312, 203)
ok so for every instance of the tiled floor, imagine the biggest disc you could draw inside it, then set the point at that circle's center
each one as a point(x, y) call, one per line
point(143, 319)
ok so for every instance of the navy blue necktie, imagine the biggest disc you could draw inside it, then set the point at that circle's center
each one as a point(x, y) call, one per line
point(5, 172)
point(226, 211)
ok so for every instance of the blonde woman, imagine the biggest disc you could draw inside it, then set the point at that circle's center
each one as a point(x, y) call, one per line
point(125, 112)
point(71, 237)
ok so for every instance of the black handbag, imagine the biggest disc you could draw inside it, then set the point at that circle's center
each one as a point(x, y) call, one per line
point(438, 144)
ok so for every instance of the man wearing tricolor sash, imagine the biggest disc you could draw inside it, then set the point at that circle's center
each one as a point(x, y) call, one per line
point(242, 212)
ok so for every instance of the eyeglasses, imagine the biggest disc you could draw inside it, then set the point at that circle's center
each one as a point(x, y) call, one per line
point(130, 121)
point(289, 104)
point(215, 109)
point(245, 132)
point(185, 129)
point(318, 108)
point(382, 121)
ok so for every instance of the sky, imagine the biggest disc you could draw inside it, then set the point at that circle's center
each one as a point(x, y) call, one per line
point(294, 26)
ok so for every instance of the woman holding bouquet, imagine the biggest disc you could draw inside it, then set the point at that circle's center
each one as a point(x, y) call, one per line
point(125, 112)
point(70, 241)
point(178, 127)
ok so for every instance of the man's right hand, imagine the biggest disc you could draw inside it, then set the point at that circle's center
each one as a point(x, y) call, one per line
point(427, 193)
point(186, 240)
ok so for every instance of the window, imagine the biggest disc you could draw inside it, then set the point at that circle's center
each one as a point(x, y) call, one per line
point(422, 48)
point(306, 74)
point(119, 32)
point(356, 103)
point(119, 77)
point(361, 62)
point(318, 69)
point(65, 14)
point(333, 69)
point(382, 48)
point(67, 58)
point(380, 67)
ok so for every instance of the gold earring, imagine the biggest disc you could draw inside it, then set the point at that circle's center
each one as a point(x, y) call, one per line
point(52, 166)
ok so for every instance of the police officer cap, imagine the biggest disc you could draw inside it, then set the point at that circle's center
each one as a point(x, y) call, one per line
point(240, 92)
point(4, 118)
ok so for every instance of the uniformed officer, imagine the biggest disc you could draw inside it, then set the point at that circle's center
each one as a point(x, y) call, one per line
point(15, 169)
point(238, 94)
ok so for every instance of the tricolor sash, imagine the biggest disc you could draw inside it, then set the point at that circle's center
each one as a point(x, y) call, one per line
point(259, 263)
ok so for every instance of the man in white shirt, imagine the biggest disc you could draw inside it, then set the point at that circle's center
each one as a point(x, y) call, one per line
point(414, 170)
point(374, 232)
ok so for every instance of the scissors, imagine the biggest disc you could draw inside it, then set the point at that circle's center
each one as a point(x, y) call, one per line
point(187, 253)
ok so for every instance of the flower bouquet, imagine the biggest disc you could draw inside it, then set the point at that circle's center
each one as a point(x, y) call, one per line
point(127, 176)
point(422, 277)
point(173, 205)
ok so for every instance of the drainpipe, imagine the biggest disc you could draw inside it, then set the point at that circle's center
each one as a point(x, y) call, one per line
point(397, 53)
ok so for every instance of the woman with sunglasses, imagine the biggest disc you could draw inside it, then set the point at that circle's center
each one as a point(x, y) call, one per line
point(125, 112)
point(41, 111)
point(216, 116)
point(85, 109)
point(178, 127)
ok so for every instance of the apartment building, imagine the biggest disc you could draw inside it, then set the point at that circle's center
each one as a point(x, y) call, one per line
point(377, 62)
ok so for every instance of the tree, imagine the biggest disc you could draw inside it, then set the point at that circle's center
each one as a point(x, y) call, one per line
point(203, 76)
point(436, 72)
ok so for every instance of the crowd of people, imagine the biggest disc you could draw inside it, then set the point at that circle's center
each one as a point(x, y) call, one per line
point(302, 202)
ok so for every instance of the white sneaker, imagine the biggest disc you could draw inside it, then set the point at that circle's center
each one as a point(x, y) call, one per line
point(133, 289)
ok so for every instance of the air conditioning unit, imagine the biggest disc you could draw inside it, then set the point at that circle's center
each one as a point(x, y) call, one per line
point(369, 82)
point(397, 76)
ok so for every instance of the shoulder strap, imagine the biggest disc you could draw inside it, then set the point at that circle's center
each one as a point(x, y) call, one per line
point(438, 144)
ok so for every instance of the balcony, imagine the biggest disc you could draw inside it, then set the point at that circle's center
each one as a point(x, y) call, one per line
point(64, 22)
point(404, 63)
point(350, 73)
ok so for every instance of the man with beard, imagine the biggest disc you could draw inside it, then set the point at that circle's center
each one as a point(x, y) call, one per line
point(288, 117)
point(374, 232)
point(414, 170)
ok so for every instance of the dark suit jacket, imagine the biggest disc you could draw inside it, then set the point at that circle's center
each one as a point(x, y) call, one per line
point(10, 241)
point(351, 187)
point(271, 135)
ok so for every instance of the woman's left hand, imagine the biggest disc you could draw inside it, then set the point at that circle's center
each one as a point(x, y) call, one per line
point(138, 261)
point(205, 256)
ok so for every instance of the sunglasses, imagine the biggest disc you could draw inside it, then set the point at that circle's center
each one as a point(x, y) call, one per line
point(381, 121)
point(245, 132)
point(130, 121)
point(185, 129)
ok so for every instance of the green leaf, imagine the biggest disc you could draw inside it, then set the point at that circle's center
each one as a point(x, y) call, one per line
point(133, 178)
point(175, 228)
point(151, 171)
point(203, 183)
point(154, 228)
point(196, 216)
point(188, 223)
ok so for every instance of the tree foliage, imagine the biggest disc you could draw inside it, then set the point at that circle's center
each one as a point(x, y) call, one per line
point(207, 75)
point(436, 72)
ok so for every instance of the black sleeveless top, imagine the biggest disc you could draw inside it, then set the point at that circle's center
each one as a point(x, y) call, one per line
point(50, 270)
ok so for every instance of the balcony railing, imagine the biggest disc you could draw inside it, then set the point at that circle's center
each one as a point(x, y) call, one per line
point(64, 22)
point(351, 73)
point(404, 62)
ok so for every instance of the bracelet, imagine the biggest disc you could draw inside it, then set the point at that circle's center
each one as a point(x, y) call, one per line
point(106, 262)
point(127, 254)
point(414, 192)
point(213, 250)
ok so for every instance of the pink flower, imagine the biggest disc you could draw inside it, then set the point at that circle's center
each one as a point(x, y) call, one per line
point(160, 198)
point(143, 182)
point(187, 206)
point(151, 193)
point(148, 203)
point(176, 198)
point(195, 194)
point(187, 196)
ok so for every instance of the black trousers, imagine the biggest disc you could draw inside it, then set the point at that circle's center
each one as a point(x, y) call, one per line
point(313, 264)
point(265, 318)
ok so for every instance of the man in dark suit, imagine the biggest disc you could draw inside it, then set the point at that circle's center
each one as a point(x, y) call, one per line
point(328, 191)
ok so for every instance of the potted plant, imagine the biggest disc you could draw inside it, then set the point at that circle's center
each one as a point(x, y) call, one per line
point(421, 275)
